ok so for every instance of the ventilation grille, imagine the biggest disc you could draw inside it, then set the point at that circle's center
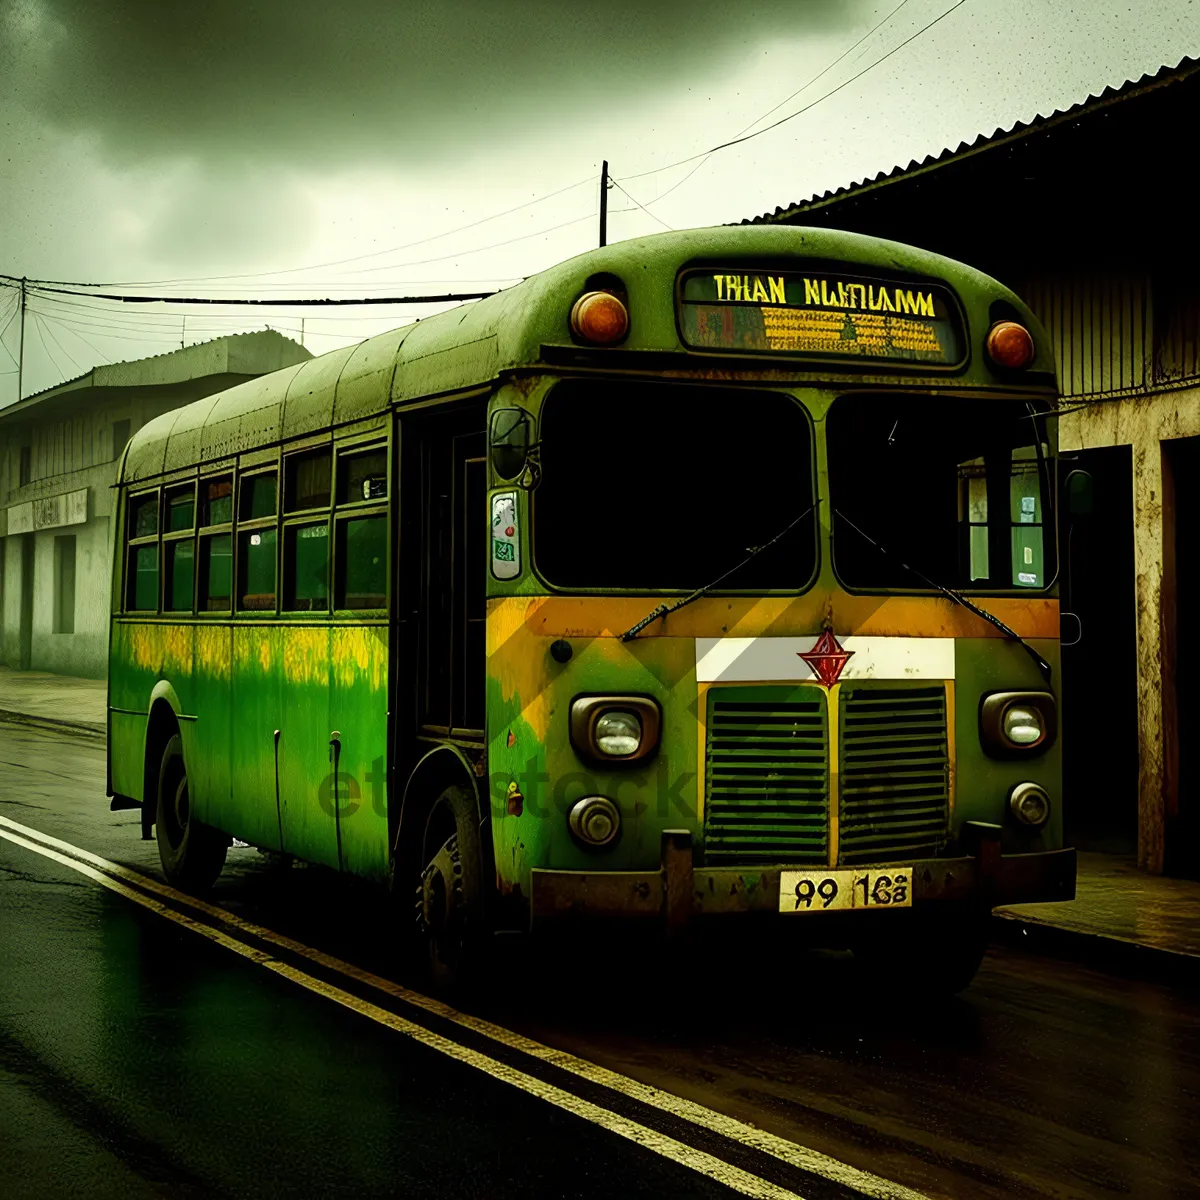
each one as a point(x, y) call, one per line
point(894, 785)
point(767, 783)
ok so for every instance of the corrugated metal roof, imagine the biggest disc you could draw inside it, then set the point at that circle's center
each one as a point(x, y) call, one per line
point(1163, 77)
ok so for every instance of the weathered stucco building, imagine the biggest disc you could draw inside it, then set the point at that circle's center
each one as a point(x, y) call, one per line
point(59, 451)
point(1086, 214)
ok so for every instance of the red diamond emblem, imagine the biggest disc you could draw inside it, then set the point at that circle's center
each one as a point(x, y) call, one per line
point(827, 659)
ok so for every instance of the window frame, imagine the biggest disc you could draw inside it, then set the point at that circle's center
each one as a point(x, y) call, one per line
point(792, 393)
point(347, 510)
point(205, 533)
point(982, 587)
point(249, 526)
point(134, 543)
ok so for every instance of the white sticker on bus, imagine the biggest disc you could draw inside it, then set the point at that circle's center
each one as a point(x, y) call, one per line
point(506, 544)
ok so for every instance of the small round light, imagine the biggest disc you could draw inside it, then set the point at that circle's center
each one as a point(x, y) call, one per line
point(594, 820)
point(618, 733)
point(1030, 804)
point(1010, 345)
point(1023, 725)
point(599, 317)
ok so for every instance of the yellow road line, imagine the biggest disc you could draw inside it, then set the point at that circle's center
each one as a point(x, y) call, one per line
point(697, 1160)
point(812, 1161)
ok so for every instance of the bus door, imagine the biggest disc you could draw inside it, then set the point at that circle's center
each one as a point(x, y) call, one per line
point(444, 586)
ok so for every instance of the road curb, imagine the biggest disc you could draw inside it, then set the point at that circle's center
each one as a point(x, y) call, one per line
point(81, 728)
point(1115, 955)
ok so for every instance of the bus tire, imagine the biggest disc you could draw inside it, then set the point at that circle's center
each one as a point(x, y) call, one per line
point(937, 957)
point(192, 854)
point(449, 892)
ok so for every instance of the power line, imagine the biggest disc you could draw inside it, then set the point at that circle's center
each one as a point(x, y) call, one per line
point(736, 141)
point(50, 335)
point(616, 183)
point(804, 87)
point(72, 287)
point(821, 74)
point(341, 261)
point(287, 302)
point(94, 349)
point(42, 341)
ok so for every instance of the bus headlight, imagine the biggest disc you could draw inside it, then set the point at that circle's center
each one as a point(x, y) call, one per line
point(1016, 724)
point(1023, 725)
point(594, 820)
point(1030, 804)
point(618, 733)
point(612, 730)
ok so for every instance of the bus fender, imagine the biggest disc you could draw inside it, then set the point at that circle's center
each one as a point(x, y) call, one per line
point(438, 769)
point(162, 722)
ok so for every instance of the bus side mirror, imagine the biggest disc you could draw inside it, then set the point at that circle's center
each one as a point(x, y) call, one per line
point(1077, 491)
point(508, 438)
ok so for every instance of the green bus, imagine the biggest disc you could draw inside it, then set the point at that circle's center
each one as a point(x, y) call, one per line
point(702, 578)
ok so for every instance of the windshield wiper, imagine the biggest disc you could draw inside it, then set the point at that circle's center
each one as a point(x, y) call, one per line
point(1042, 665)
point(666, 609)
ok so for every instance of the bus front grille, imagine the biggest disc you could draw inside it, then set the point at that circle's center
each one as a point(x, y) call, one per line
point(894, 781)
point(767, 776)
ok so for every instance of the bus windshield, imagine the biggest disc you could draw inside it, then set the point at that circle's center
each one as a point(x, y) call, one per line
point(661, 487)
point(955, 488)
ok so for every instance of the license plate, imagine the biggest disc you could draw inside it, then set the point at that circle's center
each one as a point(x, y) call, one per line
point(833, 891)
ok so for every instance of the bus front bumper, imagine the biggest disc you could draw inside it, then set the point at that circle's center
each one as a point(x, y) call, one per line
point(678, 891)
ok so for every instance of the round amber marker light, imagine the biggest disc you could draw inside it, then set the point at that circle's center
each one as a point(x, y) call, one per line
point(1010, 345)
point(599, 317)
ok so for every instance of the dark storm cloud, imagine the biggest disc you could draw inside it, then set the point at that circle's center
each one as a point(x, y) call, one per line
point(370, 81)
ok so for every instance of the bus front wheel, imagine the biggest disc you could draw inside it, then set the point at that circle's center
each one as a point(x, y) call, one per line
point(192, 854)
point(449, 899)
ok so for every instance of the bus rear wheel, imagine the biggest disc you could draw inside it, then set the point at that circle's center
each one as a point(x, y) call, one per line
point(192, 854)
point(449, 894)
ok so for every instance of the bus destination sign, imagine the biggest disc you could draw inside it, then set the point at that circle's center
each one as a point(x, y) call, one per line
point(820, 314)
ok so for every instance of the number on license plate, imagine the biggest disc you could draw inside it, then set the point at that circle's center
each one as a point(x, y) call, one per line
point(831, 891)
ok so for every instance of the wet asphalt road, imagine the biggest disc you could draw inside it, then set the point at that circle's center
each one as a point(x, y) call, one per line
point(138, 1059)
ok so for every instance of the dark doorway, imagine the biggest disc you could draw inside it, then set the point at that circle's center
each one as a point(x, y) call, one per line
point(1182, 468)
point(1099, 670)
point(443, 559)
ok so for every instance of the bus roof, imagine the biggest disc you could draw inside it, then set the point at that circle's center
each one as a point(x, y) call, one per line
point(471, 345)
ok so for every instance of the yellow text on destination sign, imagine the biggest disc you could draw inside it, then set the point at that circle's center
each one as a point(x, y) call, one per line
point(825, 293)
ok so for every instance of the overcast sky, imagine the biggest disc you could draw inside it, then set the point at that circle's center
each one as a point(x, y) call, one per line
point(144, 142)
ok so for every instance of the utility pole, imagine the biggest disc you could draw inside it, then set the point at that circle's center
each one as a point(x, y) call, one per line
point(21, 352)
point(301, 331)
point(183, 332)
point(604, 203)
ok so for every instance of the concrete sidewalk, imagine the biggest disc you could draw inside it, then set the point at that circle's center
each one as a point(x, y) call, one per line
point(1135, 919)
point(60, 701)
point(1120, 916)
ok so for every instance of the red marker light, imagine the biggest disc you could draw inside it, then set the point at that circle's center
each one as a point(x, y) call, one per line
point(1010, 345)
point(599, 317)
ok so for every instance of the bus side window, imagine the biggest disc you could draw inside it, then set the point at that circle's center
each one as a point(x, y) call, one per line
point(362, 563)
point(257, 541)
point(360, 530)
point(216, 573)
point(141, 563)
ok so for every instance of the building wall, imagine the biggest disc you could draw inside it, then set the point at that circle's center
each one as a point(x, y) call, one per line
point(1144, 423)
point(1125, 346)
point(84, 651)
